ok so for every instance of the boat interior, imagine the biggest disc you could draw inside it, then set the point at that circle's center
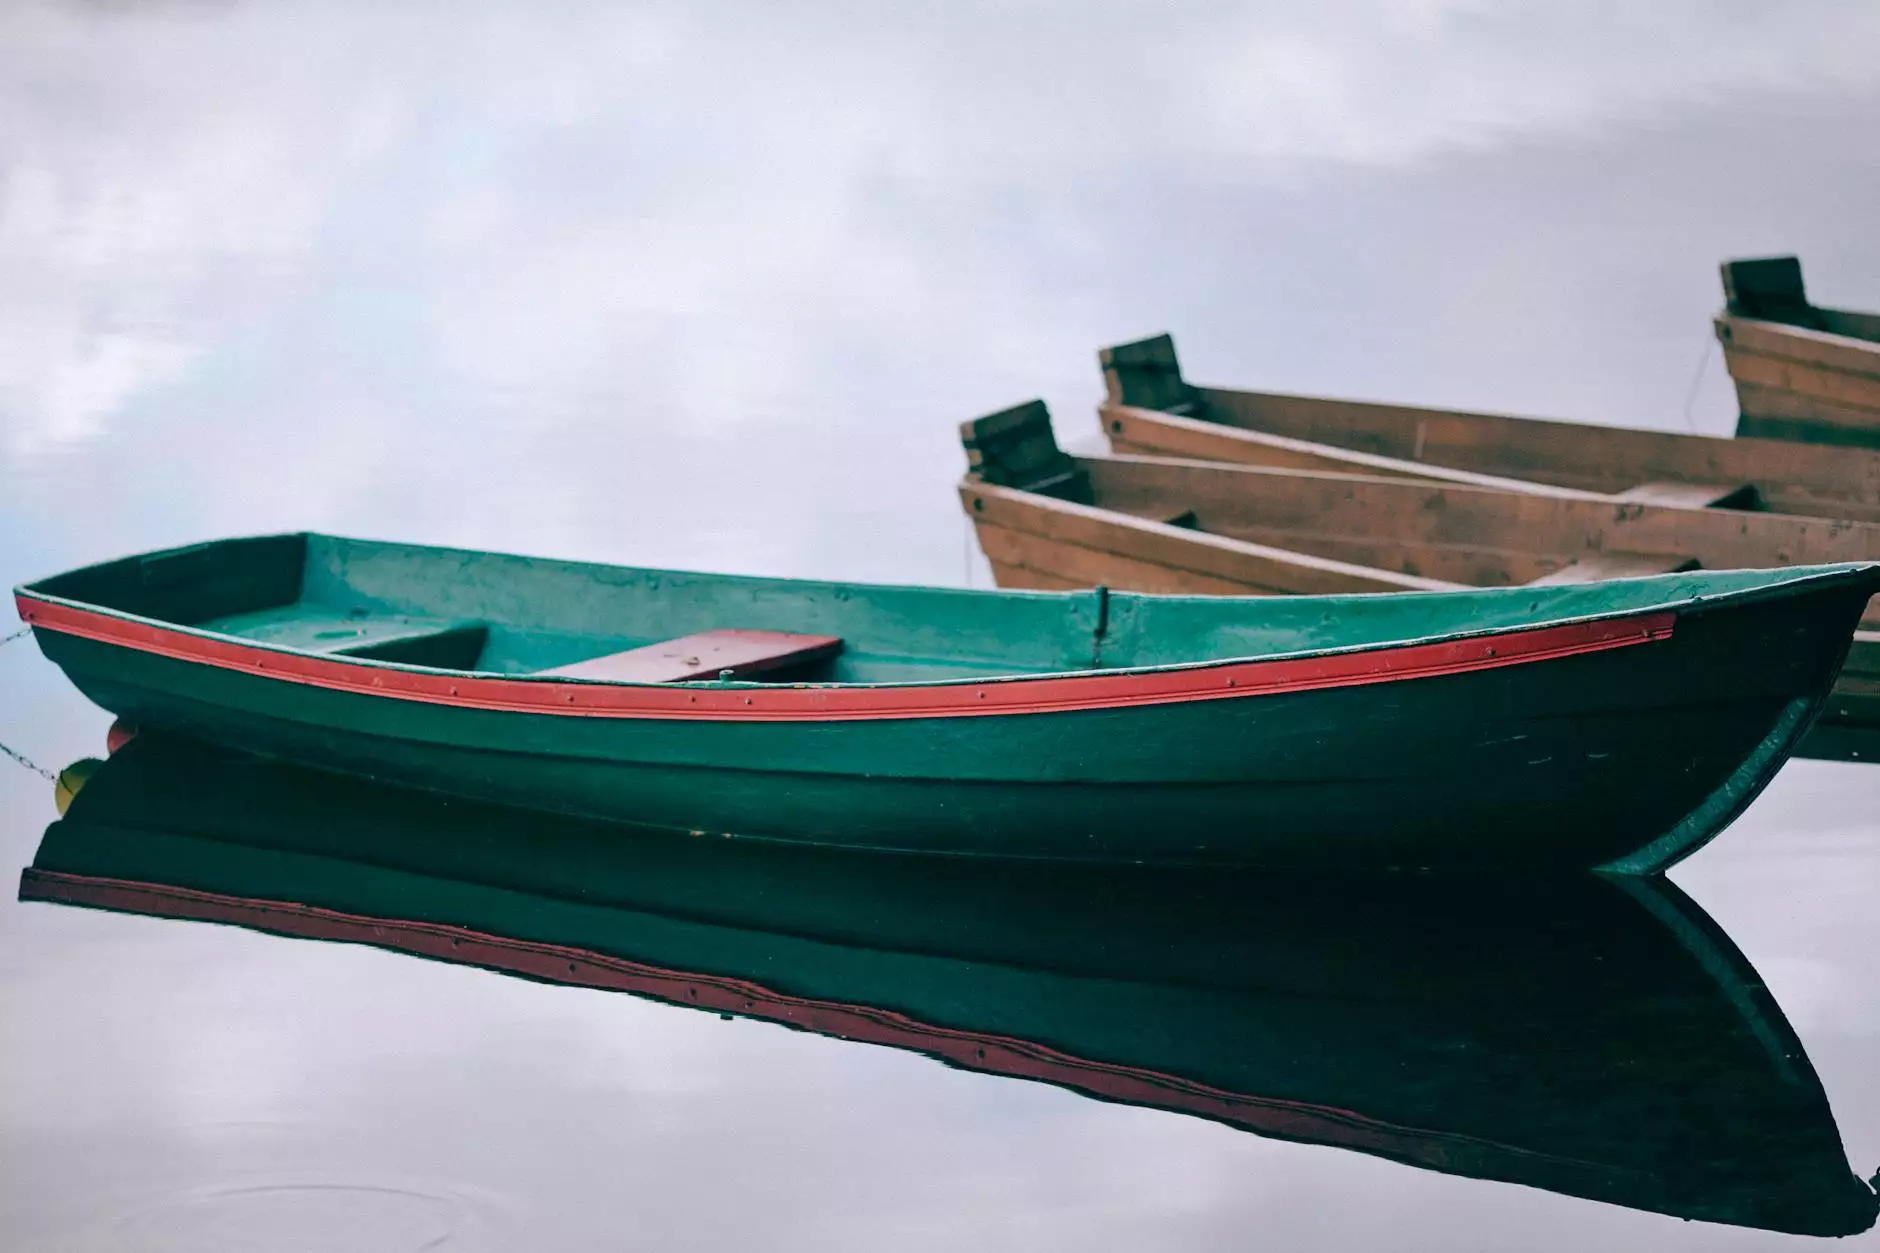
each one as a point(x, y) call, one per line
point(1458, 535)
point(491, 613)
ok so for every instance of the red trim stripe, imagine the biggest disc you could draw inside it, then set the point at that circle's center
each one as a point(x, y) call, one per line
point(780, 703)
point(969, 1050)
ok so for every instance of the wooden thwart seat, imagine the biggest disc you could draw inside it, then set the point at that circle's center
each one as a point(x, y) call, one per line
point(1696, 495)
point(1596, 566)
point(705, 655)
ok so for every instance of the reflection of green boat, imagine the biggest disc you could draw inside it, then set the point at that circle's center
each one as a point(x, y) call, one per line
point(1594, 1037)
point(1617, 724)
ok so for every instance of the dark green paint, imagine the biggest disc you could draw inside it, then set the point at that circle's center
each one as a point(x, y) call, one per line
point(1567, 1033)
point(1584, 761)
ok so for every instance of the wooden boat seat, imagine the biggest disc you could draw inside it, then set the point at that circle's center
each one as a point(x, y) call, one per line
point(1594, 567)
point(706, 655)
point(451, 644)
point(1696, 495)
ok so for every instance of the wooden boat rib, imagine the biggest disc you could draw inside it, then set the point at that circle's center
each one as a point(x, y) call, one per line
point(1465, 1027)
point(1802, 372)
point(1084, 725)
point(1151, 409)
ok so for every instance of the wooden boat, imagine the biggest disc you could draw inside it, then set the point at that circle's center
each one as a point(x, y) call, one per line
point(1466, 1027)
point(1152, 410)
point(1802, 372)
point(1167, 525)
point(1409, 730)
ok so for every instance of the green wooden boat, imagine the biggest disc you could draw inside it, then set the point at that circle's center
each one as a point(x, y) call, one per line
point(1617, 724)
point(1596, 1037)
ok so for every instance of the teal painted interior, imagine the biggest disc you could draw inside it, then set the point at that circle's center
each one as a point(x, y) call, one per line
point(501, 614)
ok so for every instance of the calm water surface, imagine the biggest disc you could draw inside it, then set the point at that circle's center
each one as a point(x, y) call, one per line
point(709, 286)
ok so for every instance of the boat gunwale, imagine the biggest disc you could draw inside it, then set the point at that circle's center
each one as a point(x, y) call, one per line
point(1831, 339)
point(1017, 695)
point(1368, 465)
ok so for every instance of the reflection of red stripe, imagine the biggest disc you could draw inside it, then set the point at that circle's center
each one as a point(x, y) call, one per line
point(969, 1050)
point(781, 703)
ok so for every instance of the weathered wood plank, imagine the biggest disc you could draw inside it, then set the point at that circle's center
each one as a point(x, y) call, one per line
point(1770, 413)
point(1801, 373)
point(1142, 431)
point(1436, 444)
point(706, 655)
point(1694, 495)
point(1027, 579)
point(1318, 520)
point(1598, 566)
point(1373, 527)
point(1468, 565)
point(1077, 566)
point(1795, 343)
point(1227, 497)
point(1431, 527)
point(1157, 543)
point(1837, 387)
point(1789, 477)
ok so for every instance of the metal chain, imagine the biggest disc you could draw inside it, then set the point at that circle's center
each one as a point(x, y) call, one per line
point(29, 763)
point(24, 760)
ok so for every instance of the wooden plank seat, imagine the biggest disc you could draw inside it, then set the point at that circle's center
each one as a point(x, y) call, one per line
point(1596, 566)
point(706, 655)
point(1696, 495)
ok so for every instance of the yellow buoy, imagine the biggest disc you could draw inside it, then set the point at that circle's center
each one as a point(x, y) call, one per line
point(71, 782)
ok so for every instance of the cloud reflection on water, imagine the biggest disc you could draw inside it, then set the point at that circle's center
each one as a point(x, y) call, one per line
point(352, 258)
point(710, 285)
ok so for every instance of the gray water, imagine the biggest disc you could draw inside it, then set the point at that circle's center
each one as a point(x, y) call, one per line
point(710, 286)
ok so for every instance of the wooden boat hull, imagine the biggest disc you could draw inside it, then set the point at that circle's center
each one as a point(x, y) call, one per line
point(1802, 372)
point(1151, 409)
point(1625, 744)
point(1574, 1034)
point(1233, 528)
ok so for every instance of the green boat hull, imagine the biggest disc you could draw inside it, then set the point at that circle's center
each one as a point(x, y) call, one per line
point(1619, 757)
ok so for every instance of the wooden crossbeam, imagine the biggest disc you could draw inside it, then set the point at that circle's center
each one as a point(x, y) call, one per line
point(705, 655)
point(1695, 495)
point(1594, 567)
